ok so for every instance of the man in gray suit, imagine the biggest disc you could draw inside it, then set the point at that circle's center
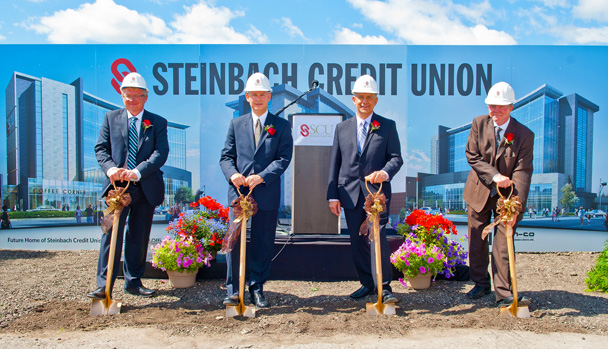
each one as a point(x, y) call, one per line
point(499, 151)
point(132, 146)
point(257, 151)
point(365, 147)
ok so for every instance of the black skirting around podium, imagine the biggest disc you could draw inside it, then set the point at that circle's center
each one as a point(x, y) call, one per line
point(297, 257)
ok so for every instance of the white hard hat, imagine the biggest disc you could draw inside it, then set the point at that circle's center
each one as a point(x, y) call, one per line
point(258, 82)
point(365, 84)
point(134, 80)
point(501, 94)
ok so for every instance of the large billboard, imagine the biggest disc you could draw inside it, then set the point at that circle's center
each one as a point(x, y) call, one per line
point(432, 92)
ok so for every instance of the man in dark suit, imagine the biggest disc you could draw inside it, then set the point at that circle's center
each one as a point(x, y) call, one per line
point(499, 150)
point(257, 151)
point(132, 146)
point(365, 147)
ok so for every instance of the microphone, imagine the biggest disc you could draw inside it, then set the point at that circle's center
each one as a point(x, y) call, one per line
point(315, 84)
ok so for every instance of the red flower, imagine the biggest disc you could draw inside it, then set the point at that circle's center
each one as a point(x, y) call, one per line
point(375, 125)
point(509, 137)
point(270, 129)
point(146, 124)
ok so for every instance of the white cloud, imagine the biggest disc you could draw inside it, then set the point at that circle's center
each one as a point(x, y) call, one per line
point(291, 29)
point(206, 24)
point(583, 36)
point(555, 3)
point(104, 21)
point(347, 36)
point(592, 9)
point(416, 160)
point(433, 22)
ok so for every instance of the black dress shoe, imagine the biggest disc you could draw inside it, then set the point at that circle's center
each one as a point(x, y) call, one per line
point(521, 300)
point(388, 297)
point(362, 292)
point(140, 291)
point(231, 300)
point(478, 292)
point(257, 298)
point(99, 294)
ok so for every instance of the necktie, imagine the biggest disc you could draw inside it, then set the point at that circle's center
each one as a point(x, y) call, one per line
point(497, 136)
point(257, 132)
point(362, 135)
point(131, 164)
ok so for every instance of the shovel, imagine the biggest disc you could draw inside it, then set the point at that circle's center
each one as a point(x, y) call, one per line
point(108, 306)
point(513, 310)
point(379, 307)
point(241, 308)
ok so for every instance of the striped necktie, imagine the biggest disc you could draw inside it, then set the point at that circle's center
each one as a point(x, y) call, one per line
point(497, 136)
point(131, 164)
point(362, 135)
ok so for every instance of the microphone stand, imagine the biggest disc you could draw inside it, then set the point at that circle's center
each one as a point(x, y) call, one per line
point(315, 85)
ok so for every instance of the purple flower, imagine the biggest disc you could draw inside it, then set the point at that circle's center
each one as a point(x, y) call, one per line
point(422, 270)
point(406, 262)
point(430, 260)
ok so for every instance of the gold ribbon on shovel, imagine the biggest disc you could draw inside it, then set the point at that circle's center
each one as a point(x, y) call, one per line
point(375, 204)
point(507, 208)
point(116, 199)
point(244, 207)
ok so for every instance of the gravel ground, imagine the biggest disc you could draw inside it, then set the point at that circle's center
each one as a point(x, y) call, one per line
point(43, 302)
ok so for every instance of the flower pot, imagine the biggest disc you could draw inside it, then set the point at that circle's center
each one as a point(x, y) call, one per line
point(182, 279)
point(420, 282)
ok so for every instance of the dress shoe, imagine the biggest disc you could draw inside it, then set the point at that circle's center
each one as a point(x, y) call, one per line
point(521, 300)
point(362, 292)
point(388, 297)
point(231, 300)
point(140, 291)
point(257, 298)
point(99, 294)
point(478, 292)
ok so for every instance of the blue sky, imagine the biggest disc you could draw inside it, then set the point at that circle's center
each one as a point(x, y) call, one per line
point(418, 22)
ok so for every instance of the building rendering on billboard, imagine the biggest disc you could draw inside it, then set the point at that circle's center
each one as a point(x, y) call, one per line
point(51, 130)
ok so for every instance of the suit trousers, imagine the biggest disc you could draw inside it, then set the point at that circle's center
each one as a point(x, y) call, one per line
point(260, 251)
point(479, 251)
point(363, 251)
point(140, 214)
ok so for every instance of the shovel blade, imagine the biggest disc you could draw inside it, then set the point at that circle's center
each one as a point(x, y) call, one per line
point(519, 312)
point(380, 308)
point(241, 309)
point(103, 307)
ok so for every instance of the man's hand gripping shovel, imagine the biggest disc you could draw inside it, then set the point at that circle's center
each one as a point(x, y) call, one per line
point(508, 208)
point(244, 207)
point(116, 199)
point(374, 205)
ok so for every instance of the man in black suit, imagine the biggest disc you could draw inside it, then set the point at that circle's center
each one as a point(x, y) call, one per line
point(365, 147)
point(257, 151)
point(132, 146)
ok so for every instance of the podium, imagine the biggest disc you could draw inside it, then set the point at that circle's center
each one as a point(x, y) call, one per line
point(313, 136)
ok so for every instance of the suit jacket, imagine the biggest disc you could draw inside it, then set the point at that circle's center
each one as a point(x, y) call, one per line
point(268, 160)
point(153, 149)
point(511, 160)
point(347, 169)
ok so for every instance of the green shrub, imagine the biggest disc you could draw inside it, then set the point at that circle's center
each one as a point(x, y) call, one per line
point(42, 214)
point(597, 277)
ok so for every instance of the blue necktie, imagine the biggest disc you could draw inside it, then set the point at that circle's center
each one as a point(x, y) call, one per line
point(362, 135)
point(497, 136)
point(131, 164)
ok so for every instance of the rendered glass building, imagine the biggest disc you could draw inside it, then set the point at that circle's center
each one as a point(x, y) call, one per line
point(52, 128)
point(317, 101)
point(563, 152)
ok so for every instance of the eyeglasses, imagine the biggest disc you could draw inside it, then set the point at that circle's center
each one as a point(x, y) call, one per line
point(132, 97)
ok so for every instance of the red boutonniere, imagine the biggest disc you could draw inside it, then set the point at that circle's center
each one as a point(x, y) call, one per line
point(375, 126)
point(146, 124)
point(270, 129)
point(509, 138)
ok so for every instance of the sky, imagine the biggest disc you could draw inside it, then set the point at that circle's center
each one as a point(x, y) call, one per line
point(412, 22)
